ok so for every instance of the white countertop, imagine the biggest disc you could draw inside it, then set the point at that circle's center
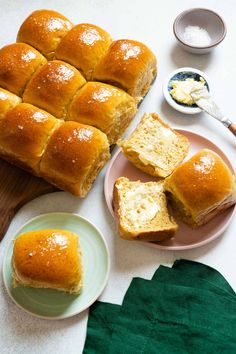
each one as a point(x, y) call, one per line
point(149, 21)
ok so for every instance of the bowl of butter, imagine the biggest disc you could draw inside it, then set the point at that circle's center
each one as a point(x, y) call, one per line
point(181, 87)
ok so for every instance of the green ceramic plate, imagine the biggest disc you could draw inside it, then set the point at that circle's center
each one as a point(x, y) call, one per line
point(53, 304)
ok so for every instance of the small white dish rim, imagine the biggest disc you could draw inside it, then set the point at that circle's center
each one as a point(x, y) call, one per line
point(171, 101)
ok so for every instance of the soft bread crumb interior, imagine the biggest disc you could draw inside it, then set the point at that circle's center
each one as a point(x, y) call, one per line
point(142, 207)
point(154, 147)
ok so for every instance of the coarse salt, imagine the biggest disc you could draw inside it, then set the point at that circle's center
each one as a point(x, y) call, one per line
point(195, 35)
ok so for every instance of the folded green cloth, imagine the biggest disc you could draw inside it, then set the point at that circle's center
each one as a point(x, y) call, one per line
point(174, 276)
point(202, 271)
point(189, 308)
point(167, 310)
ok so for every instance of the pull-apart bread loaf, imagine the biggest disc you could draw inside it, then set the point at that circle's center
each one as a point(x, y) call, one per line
point(7, 101)
point(141, 210)
point(48, 259)
point(154, 147)
point(18, 62)
point(105, 107)
point(53, 86)
point(24, 133)
point(201, 188)
point(124, 63)
point(74, 156)
point(84, 46)
point(43, 29)
point(69, 155)
point(130, 65)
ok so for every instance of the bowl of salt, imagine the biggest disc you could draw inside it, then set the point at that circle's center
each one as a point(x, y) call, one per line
point(199, 30)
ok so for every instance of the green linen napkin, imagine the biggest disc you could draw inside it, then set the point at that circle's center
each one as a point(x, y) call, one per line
point(155, 315)
point(175, 276)
point(187, 309)
point(199, 270)
point(100, 322)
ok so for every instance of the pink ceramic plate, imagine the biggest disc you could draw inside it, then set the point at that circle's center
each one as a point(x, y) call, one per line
point(186, 237)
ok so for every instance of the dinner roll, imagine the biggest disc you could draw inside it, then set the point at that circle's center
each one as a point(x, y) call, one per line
point(154, 147)
point(48, 259)
point(18, 62)
point(104, 107)
point(201, 188)
point(74, 156)
point(128, 64)
point(141, 210)
point(43, 29)
point(53, 86)
point(7, 101)
point(24, 132)
point(84, 46)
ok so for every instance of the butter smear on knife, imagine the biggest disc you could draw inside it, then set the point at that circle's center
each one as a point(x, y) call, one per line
point(182, 90)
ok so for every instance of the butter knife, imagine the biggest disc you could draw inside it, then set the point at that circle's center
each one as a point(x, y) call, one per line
point(203, 100)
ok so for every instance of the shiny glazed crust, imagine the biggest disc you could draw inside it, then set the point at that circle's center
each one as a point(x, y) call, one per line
point(7, 101)
point(57, 87)
point(53, 87)
point(74, 156)
point(130, 65)
point(43, 29)
point(71, 158)
point(18, 62)
point(84, 46)
point(24, 133)
point(201, 187)
point(105, 107)
point(48, 259)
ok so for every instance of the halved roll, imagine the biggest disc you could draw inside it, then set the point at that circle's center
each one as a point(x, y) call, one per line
point(24, 133)
point(7, 101)
point(154, 147)
point(141, 210)
point(18, 62)
point(43, 29)
point(48, 259)
point(84, 46)
point(128, 64)
point(105, 107)
point(53, 87)
point(74, 156)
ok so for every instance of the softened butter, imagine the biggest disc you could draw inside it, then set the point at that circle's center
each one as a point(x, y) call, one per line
point(181, 90)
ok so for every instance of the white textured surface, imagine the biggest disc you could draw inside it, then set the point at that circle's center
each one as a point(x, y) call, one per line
point(149, 21)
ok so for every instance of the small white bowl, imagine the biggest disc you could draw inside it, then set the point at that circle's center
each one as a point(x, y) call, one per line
point(178, 74)
point(203, 18)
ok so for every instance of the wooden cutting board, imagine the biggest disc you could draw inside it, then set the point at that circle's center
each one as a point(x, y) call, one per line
point(17, 187)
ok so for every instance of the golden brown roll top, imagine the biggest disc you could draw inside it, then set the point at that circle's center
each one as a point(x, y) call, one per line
point(43, 29)
point(48, 259)
point(105, 107)
point(18, 62)
point(74, 153)
point(67, 154)
point(53, 86)
point(201, 187)
point(84, 46)
point(128, 64)
point(74, 156)
point(7, 101)
point(125, 63)
point(24, 133)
